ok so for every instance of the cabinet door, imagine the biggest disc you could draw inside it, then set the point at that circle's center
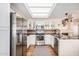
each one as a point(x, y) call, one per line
point(47, 39)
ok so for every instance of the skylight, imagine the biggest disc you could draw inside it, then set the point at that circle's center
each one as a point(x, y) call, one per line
point(39, 10)
point(39, 15)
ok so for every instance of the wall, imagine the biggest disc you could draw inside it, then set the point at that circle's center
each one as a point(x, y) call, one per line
point(4, 29)
point(49, 22)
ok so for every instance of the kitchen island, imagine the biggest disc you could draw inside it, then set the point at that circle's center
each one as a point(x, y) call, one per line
point(67, 47)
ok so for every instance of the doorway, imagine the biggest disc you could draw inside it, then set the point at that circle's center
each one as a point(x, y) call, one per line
point(18, 40)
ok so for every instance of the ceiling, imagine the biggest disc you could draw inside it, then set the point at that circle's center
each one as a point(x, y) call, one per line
point(46, 9)
point(20, 9)
point(62, 8)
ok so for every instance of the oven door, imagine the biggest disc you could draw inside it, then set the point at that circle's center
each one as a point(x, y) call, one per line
point(40, 40)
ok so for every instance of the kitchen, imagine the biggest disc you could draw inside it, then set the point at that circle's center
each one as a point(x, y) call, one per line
point(60, 30)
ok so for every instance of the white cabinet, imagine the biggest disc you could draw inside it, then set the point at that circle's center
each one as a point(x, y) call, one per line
point(52, 41)
point(31, 40)
point(47, 39)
